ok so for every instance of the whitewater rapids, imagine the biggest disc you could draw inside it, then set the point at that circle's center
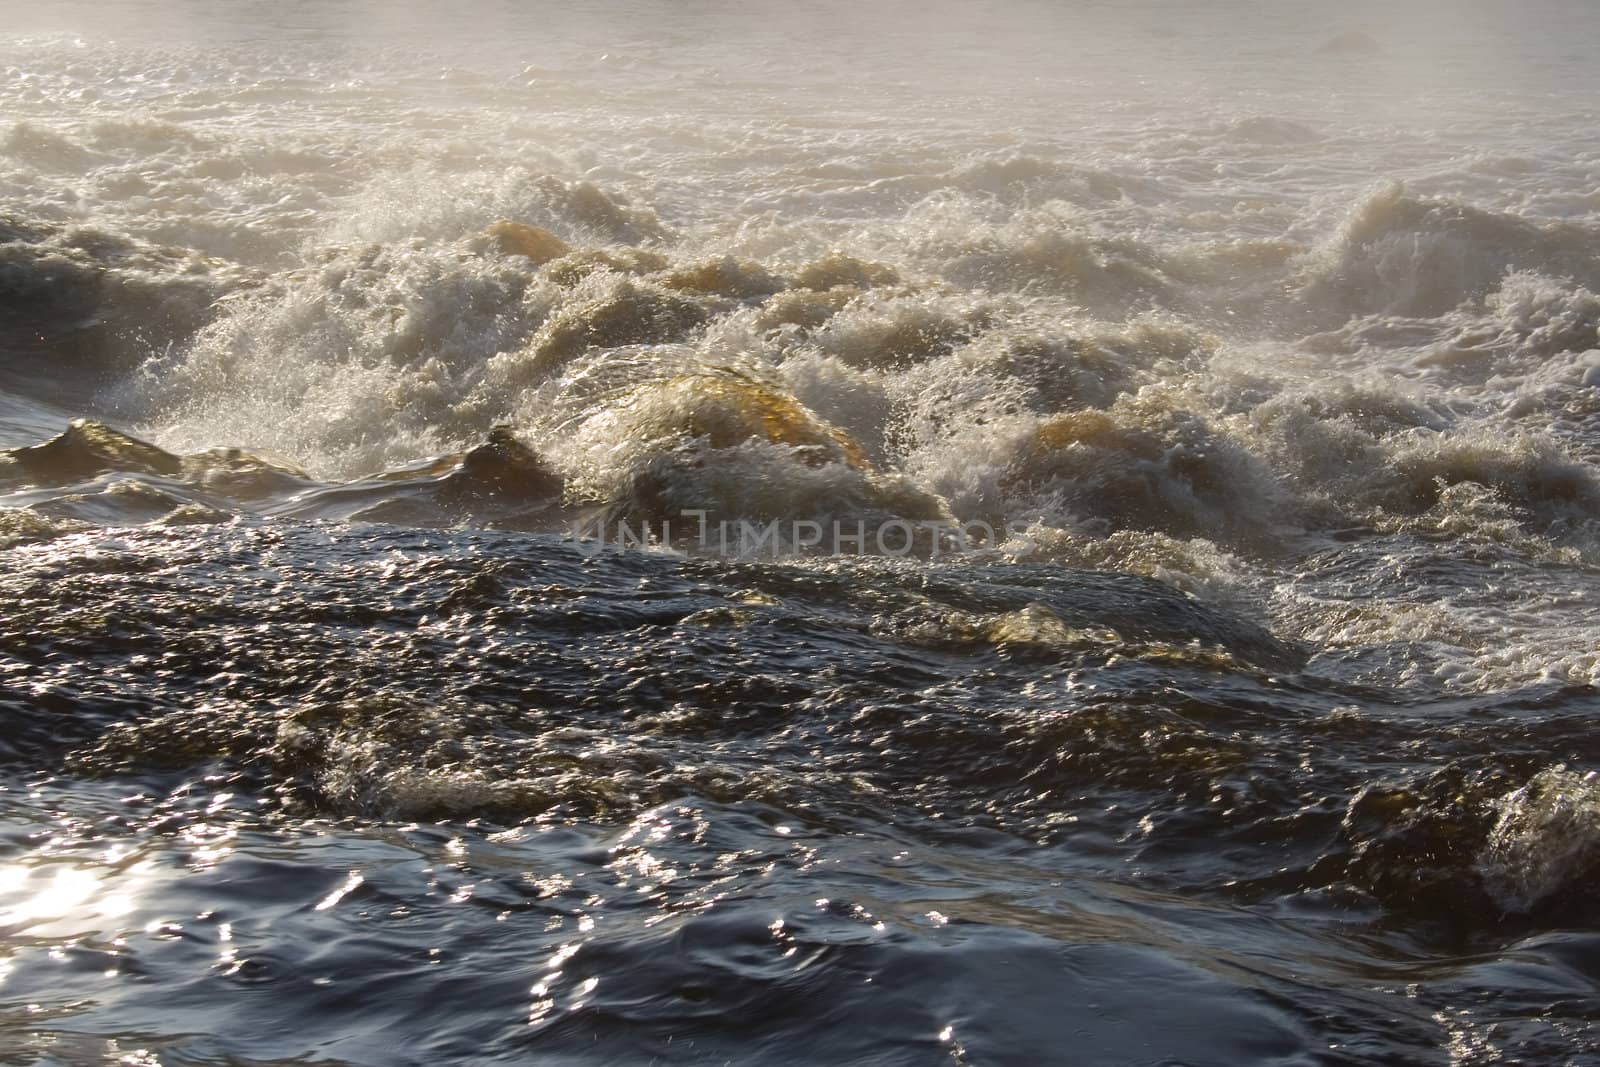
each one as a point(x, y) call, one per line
point(1262, 341)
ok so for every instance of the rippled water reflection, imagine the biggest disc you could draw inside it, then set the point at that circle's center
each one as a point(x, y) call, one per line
point(707, 811)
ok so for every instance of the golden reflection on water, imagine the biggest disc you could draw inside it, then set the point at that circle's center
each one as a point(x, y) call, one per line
point(56, 898)
point(350, 884)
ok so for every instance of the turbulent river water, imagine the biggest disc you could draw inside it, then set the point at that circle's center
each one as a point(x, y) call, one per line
point(611, 533)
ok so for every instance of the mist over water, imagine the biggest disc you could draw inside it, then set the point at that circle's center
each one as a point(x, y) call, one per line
point(1264, 337)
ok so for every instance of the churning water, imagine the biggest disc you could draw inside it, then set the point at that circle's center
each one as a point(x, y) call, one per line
point(1161, 445)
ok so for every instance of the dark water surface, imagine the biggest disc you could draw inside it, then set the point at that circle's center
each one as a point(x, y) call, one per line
point(479, 797)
